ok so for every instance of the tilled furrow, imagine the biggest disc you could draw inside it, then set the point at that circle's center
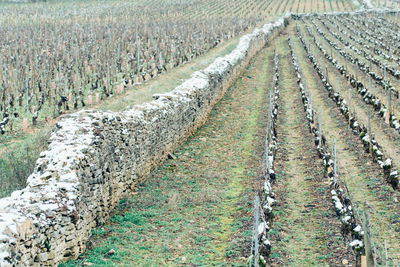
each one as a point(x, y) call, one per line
point(305, 225)
point(364, 181)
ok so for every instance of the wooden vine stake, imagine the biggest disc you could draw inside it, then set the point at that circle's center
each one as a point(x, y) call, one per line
point(370, 134)
point(369, 255)
point(268, 131)
point(137, 53)
point(386, 254)
point(160, 61)
point(384, 76)
point(350, 105)
point(271, 102)
point(326, 70)
point(389, 112)
point(27, 94)
point(320, 128)
point(335, 162)
point(267, 153)
point(256, 220)
point(267, 139)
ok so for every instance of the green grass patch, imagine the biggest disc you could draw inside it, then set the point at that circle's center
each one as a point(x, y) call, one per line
point(17, 163)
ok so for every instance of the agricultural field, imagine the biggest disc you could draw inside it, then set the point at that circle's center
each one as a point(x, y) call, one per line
point(328, 91)
point(72, 54)
point(337, 94)
point(60, 57)
point(297, 165)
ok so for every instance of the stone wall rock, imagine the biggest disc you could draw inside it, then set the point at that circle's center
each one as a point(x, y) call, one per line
point(95, 158)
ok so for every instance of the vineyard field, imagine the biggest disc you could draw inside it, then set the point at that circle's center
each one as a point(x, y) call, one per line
point(346, 80)
point(69, 55)
point(200, 133)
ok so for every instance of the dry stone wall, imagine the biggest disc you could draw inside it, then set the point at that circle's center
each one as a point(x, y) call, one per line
point(96, 158)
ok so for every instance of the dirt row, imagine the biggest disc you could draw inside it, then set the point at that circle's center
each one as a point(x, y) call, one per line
point(364, 179)
point(306, 231)
point(383, 133)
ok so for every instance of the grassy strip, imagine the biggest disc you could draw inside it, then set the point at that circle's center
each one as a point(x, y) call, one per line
point(165, 83)
point(196, 209)
point(18, 164)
